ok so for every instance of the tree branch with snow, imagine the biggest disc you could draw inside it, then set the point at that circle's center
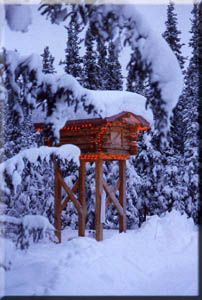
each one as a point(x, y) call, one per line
point(126, 25)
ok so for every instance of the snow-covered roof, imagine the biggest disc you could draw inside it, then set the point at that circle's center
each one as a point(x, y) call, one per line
point(114, 102)
point(128, 117)
point(106, 102)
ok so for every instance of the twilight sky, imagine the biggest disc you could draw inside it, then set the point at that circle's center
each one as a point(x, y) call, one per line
point(42, 33)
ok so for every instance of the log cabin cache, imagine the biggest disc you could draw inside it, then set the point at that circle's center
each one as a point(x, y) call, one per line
point(111, 138)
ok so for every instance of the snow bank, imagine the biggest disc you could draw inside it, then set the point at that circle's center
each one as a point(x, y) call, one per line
point(9, 219)
point(160, 258)
point(6, 254)
point(30, 222)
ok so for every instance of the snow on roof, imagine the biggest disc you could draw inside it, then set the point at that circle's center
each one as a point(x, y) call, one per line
point(129, 117)
point(114, 102)
point(107, 103)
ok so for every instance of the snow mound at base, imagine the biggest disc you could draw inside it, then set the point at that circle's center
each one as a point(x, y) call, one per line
point(139, 262)
point(172, 232)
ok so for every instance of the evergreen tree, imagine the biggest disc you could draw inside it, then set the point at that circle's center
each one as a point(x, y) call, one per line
point(90, 61)
point(73, 61)
point(135, 78)
point(48, 68)
point(200, 106)
point(190, 119)
point(18, 127)
point(115, 77)
point(171, 34)
point(48, 60)
point(2, 115)
point(102, 65)
point(150, 166)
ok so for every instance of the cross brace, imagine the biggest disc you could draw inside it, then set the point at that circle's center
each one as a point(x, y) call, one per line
point(80, 204)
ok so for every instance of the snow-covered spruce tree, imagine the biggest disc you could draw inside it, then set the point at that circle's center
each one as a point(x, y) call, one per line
point(90, 195)
point(2, 106)
point(135, 209)
point(172, 186)
point(172, 36)
point(30, 196)
point(115, 77)
point(164, 176)
point(20, 135)
point(150, 160)
point(191, 119)
point(48, 68)
point(48, 60)
point(135, 78)
point(34, 194)
point(28, 181)
point(149, 164)
point(90, 61)
point(73, 61)
point(172, 33)
point(1, 129)
point(143, 196)
point(200, 109)
point(102, 66)
point(18, 128)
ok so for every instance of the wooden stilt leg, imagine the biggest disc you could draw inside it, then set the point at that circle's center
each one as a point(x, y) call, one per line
point(122, 195)
point(99, 187)
point(82, 200)
point(57, 204)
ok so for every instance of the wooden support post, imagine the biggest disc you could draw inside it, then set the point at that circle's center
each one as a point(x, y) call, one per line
point(99, 187)
point(122, 195)
point(57, 203)
point(82, 200)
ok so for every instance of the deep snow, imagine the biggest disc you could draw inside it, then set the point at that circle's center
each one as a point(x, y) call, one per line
point(160, 258)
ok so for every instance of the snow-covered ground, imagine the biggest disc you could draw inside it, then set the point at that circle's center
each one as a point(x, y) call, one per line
point(160, 258)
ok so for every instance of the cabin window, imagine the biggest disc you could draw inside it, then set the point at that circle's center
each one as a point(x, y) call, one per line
point(116, 137)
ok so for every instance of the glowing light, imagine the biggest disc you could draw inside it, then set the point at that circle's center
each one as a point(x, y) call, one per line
point(104, 156)
point(97, 135)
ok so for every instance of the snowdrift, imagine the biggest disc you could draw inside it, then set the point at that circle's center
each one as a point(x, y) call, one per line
point(160, 258)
